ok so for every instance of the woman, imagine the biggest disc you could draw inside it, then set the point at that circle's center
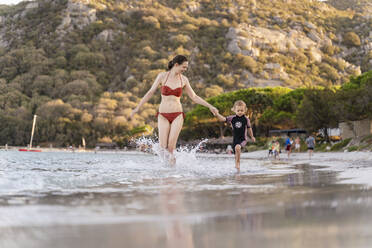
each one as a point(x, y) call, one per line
point(170, 115)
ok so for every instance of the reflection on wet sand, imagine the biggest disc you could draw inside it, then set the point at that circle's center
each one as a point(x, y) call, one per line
point(94, 204)
point(248, 222)
point(178, 232)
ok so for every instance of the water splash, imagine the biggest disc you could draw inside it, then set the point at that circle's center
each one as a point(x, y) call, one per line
point(184, 154)
point(192, 150)
point(151, 145)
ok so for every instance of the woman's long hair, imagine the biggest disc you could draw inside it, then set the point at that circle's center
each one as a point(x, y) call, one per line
point(179, 59)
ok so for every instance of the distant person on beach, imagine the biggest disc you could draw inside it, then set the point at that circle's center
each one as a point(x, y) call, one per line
point(288, 146)
point(297, 144)
point(171, 115)
point(96, 149)
point(229, 150)
point(241, 125)
point(270, 147)
point(276, 150)
point(310, 142)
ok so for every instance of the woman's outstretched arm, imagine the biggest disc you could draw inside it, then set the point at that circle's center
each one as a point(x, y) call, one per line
point(220, 117)
point(148, 95)
point(195, 98)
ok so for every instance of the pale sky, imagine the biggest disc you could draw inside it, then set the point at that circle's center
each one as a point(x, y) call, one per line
point(10, 1)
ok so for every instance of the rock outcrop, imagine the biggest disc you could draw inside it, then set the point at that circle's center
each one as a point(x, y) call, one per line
point(248, 40)
point(77, 15)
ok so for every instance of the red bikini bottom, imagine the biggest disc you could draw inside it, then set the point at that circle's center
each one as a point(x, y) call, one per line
point(171, 116)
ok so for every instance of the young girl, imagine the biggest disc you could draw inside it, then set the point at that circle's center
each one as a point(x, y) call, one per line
point(240, 125)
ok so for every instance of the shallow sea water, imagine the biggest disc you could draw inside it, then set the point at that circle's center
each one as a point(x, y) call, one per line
point(61, 199)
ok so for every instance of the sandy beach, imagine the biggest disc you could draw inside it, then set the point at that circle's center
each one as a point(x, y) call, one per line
point(354, 166)
point(132, 200)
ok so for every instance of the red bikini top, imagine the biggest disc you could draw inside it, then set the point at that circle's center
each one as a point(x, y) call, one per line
point(166, 91)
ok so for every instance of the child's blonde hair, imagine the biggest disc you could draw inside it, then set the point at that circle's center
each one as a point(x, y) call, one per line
point(239, 103)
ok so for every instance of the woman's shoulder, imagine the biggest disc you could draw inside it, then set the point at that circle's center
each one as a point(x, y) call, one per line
point(161, 76)
point(184, 79)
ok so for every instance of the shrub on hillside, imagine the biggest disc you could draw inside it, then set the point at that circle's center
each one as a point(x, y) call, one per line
point(351, 39)
point(225, 80)
point(151, 21)
point(328, 49)
point(181, 39)
point(214, 90)
point(329, 72)
point(246, 62)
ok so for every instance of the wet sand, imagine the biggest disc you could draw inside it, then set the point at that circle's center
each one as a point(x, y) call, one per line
point(322, 202)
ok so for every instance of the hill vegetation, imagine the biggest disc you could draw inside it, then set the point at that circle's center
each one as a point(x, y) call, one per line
point(81, 66)
point(313, 109)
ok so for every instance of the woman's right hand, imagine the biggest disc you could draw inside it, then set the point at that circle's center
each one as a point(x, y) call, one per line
point(214, 110)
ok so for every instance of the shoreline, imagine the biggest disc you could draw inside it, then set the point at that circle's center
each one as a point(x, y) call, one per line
point(68, 150)
point(253, 154)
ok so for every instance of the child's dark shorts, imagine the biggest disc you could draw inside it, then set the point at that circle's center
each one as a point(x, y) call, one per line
point(242, 144)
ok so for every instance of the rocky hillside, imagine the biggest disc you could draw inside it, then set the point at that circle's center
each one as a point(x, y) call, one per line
point(362, 6)
point(234, 44)
point(86, 62)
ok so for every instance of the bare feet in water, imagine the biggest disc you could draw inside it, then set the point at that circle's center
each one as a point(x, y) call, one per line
point(172, 160)
point(237, 166)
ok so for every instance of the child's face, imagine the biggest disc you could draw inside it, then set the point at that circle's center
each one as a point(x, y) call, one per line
point(239, 110)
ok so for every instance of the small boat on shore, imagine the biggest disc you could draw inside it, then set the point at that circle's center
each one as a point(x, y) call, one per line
point(29, 148)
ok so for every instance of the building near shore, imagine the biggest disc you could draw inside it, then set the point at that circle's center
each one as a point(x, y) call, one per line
point(355, 129)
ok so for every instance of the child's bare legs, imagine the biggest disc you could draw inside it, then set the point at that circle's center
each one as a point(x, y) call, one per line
point(237, 157)
point(277, 155)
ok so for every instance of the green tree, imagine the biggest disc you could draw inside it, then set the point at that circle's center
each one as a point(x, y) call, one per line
point(87, 60)
point(43, 85)
point(354, 99)
point(317, 111)
point(283, 112)
point(15, 127)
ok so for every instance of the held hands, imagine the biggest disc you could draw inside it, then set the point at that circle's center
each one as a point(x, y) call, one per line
point(213, 110)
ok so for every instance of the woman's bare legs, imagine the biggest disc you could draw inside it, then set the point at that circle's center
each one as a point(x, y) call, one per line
point(163, 127)
point(174, 132)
